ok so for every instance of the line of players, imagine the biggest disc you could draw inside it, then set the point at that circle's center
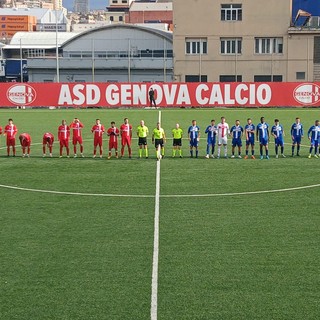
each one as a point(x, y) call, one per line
point(76, 127)
point(215, 133)
point(222, 131)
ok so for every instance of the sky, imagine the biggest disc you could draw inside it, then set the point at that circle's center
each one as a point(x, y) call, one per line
point(94, 4)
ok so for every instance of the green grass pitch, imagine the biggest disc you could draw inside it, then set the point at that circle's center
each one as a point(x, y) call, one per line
point(253, 255)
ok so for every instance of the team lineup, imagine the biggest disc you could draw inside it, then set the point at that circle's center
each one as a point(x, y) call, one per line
point(216, 134)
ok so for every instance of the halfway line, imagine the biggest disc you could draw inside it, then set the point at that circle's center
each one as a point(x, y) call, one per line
point(155, 262)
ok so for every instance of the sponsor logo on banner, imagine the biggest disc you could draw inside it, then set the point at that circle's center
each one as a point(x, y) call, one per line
point(21, 94)
point(307, 93)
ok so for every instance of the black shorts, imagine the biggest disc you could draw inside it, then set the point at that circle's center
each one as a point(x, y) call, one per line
point(177, 142)
point(142, 141)
point(158, 142)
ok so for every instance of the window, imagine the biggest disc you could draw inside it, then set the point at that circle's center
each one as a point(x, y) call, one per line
point(230, 46)
point(196, 46)
point(111, 18)
point(120, 18)
point(277, 78)
point(196, 78)
point(268, 45)
point(231, 12)
point(300, 75)
point(316, 51)
point(169, 54)
point(33, 53)
point(268, 78)
point(230, 78)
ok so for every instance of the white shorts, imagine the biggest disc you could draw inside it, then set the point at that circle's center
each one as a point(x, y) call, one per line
point(223, 140)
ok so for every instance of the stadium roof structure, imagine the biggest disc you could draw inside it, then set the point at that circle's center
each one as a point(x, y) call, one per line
point(164, 34)
point(49, 40)
point(43, 40)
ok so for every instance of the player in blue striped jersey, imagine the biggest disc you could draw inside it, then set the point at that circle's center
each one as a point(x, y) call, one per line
point(194, 137)
point(314, 137)
point(249, 132)
point(278, 134)
point(211, 132)
point(296, 135)
point(236, 132)
point(262, 132)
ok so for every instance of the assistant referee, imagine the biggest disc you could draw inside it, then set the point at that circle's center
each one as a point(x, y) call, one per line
point(142, 133)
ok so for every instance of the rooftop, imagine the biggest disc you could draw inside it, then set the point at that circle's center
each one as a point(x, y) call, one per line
point(39, 13)
point(39, 39)
point(151, 6)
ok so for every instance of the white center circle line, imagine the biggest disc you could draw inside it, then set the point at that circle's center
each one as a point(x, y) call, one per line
point(161, 195)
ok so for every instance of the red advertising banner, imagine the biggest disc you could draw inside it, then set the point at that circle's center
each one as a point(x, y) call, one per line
point(274, 94)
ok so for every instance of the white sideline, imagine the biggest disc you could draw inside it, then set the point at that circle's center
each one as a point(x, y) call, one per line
point(155, 262)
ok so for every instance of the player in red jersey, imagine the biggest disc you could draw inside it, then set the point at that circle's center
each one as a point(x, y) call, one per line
point(25, 141)
point(10, 131)
point(64, 136)
point(47, 141)
point(97, 130)
point(126, 135)
point(76, 127)
point(113, 133)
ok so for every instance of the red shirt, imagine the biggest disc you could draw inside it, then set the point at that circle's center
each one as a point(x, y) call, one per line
point(10, 130)
point(48, 135)
point(126, 130)
point(113, 134)
point(98, 130)
point(25, 139)
point(0, 130)
point(76, 129)
point(63, 132)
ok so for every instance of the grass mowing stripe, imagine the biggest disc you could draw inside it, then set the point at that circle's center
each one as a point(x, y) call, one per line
point(155, 262)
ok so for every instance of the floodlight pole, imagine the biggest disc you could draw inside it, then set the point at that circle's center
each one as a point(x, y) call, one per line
point(21, 63)
point(200, 60)
point(164, 61)
point(57, 50)
point(93, 60)
point(129, 60)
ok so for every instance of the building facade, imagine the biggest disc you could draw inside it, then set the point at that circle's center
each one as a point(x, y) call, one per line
point(114, 53)
point(150, 12)
point(47, 4)
point(237, 40)
point(14, 20)
point(81, 6)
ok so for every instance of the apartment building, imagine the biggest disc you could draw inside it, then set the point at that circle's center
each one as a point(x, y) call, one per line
point(242, 40)
point(150, 12)
point(81, 6)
